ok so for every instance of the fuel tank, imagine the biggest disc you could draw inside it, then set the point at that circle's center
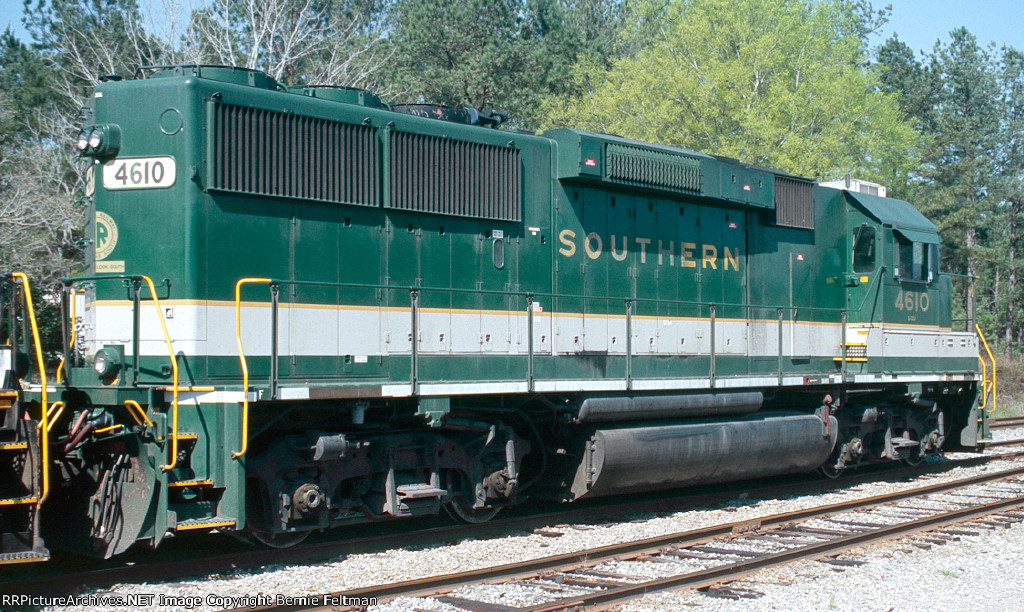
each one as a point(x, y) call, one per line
point(669, 455)
point(603, 409)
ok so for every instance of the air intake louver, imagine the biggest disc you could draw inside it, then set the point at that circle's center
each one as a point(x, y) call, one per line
point(270, 153)
point(794, 203)
point(451, 177)
point(636, 165)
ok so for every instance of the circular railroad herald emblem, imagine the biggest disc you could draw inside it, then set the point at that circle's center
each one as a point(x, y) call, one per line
point(106, 235)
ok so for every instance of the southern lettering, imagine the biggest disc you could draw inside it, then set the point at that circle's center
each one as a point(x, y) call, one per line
point(685, 254)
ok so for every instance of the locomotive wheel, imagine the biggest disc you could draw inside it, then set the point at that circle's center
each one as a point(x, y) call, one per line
point(459, 511)
point(279, 540)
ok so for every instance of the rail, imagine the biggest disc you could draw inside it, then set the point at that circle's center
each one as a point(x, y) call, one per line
point(526, 302)
point(71, 343)
point(967, 289)
point(54, 413)
point(174, 370)
point(988, 385)
point(241, 357)
point(813, 545)
point(134, 283)
point(44, 429)
point(134, 407)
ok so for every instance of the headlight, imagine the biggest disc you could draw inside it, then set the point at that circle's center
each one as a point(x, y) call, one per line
point(106, 363)
point(101, 140)
point(95, 140)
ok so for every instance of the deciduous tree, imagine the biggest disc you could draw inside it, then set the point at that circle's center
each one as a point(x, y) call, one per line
point(779, 83)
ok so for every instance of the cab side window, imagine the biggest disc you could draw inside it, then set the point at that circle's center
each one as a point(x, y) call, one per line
point(917, 261)
point(864, 249)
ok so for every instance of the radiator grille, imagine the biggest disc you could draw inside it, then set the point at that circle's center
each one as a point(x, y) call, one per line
point(656, 168)
point(270, 153)
point(451, 177)
point(794, 203)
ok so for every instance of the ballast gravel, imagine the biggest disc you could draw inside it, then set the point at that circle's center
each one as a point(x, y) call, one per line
point(977, 571)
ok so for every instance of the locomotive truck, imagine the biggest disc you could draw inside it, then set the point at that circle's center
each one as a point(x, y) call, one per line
point(305, 308)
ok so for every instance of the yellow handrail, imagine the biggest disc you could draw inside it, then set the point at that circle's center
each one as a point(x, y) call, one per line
point(60, 367)
point(241, 357)
point(53, 408)
point(987, 384)
point(56, 410)
point(44, 430)
point(984, 383)
point(133, 404)
point(174, 369)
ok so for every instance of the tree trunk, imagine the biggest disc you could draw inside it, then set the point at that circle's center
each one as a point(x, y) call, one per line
point(1011, 280)
point(972, 238)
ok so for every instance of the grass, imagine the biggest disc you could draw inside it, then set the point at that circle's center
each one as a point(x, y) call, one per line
point(1010, 400)
point(949, 572)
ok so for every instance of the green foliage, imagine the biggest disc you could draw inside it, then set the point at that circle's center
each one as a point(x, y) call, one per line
point(779, 83)
point(46, 305)
point(969, 103)
point(504, 54)
point(958, 169)
point(1010, 398)
point(1010, 217)
point(915, 86)
point(27, 82)
point(965, 121)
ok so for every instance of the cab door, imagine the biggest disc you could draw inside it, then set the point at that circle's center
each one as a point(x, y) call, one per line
point(862, 282)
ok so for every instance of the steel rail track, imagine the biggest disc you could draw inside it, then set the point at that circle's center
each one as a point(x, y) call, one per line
point(43, 581)
point(1006, 422)
point(744, 568)
point(582, 560)
point(1014, 442)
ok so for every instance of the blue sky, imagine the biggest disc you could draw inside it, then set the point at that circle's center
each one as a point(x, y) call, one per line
point(10, 15)
point(919, 23)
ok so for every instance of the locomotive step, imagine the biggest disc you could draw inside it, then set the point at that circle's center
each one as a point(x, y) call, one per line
point(13, 446)
point(30, 556)
point(17, 501)
point(185, 437)
point(419, 491)
point(205, 523)
point(191, 483)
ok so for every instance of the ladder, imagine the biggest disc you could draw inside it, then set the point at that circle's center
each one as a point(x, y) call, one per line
point(23, 439)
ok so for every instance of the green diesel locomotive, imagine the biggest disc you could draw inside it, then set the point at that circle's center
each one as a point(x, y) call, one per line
point(306, 308)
